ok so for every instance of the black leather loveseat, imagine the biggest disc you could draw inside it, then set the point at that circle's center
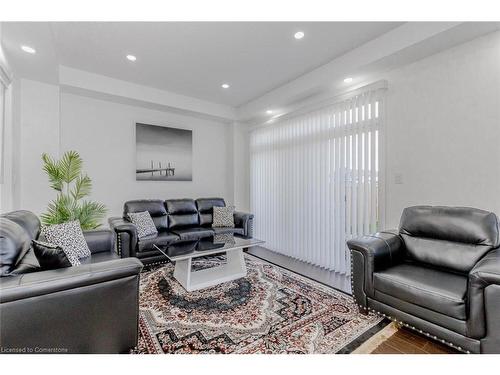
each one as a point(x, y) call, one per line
point(439, 274)
point(91, 308)
point(175, 219)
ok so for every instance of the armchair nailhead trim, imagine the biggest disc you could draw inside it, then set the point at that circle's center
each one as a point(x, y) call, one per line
point(250, 227)
point(158, 263)
point(459, 348)
point(119, 244)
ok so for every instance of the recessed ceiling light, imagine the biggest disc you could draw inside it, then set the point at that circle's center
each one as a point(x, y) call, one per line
point(225, 86)
point(28, 49)
point(131, 57)
point(299, 35)
point(270, 121)
point(269, 112)
point(348, 80)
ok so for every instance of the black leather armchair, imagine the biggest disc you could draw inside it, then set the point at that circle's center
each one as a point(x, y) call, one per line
point(439, 274)
point(91, 308)
point(175, 219)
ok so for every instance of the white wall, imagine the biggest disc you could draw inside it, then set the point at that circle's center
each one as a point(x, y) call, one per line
point(39, 133)
point(241, 167)
point(103, 133)
point(443, 129)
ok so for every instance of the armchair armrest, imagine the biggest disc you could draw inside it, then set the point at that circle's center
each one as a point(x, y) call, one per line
point(485, 273)
point(126, 236)
point(244, 220)
point(370, 254)
point(100, 241)
point(487, 270)
point(383, 249)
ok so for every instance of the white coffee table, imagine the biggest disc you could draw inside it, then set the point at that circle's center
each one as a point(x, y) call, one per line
point(183, 252)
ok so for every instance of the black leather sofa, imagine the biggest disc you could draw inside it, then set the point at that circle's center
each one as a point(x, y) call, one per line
point(439, 274)
point(91, 308)
point(175, 219)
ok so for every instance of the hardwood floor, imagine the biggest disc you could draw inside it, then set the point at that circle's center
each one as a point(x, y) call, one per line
point(402, 342)
point(407, 342)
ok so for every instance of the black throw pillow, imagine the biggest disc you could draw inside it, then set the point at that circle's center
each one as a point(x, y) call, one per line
point(52, 256)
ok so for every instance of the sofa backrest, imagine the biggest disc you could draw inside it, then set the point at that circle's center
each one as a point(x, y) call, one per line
point(450, 237)
point(176, 213)
point(155, 207)
point(206, 208)
point(182, 213)
point(17, 229)
point(26, 219)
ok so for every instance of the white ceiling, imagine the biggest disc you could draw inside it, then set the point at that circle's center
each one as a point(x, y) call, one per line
point(188, 58)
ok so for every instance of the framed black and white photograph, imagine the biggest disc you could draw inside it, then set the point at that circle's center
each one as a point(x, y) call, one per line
point(163, 153)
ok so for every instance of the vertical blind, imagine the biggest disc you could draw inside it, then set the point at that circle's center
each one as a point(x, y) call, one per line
point(2, 129)
point(315, 180)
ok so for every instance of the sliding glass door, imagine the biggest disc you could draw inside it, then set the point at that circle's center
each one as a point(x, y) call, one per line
point(315, 180)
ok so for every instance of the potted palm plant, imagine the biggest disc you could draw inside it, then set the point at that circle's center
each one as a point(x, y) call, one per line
point(72, 186)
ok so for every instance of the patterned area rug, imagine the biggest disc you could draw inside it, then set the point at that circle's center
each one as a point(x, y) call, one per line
point(271, 311)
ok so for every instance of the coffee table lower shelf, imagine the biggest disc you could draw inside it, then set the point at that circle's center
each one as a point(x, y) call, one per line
point(234, 268)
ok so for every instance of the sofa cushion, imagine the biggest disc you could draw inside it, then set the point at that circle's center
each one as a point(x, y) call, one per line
point(225, 230)
point(182, 213)
point(161, 239)
point(205, 208)
point(69, 236)
point(14, 244)
point(455, 256)
point(27, 220)
point(182, 221)
point(433, 317)
point(155, 207)
point(144, 223)
point(51, 256)
point(223, 217)
point(27, 264)
point(450, 237)
point(100, 240)
point(433, 289)
point(193, 233)
point(181, 206)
